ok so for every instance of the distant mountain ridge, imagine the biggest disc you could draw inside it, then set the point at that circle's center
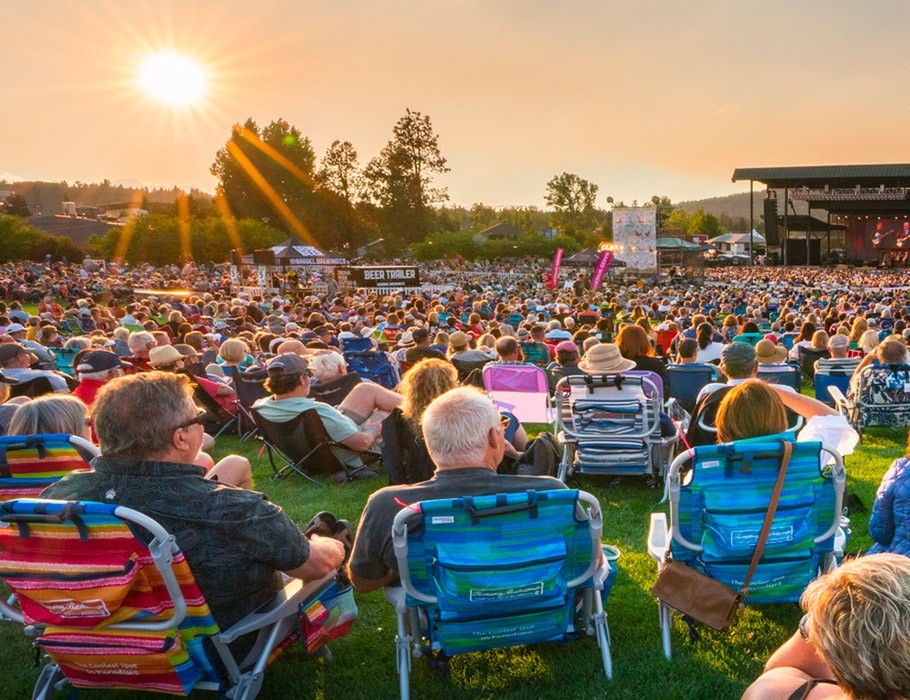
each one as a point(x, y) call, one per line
point(733, 205)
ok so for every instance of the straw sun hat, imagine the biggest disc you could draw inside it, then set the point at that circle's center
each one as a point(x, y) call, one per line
point(604, 358)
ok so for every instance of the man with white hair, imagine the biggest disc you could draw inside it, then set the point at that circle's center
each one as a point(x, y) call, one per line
point(464, 436)
point(141, 342)
point(95, 369)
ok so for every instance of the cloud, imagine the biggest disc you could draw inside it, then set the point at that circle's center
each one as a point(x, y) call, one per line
point(722, 110)
point(9, 177)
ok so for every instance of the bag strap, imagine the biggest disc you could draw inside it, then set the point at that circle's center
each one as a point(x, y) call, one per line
point(769, 517)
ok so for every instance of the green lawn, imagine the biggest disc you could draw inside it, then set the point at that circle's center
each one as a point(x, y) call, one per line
point(720, 666)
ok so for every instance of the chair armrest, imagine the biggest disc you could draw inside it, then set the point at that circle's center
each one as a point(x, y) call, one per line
point(840, 401)
point(285, 603)
point(658, 537)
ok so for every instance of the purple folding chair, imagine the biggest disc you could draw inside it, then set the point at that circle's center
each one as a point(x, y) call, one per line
point(520, 389)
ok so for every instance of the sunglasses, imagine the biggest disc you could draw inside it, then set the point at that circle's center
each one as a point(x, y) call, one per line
point(201, 417)
point(504, 421)
point(804, 626)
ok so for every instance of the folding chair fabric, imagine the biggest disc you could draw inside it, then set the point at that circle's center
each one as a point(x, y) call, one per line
point(28, 464)
point(521, 389)
point(882, 398)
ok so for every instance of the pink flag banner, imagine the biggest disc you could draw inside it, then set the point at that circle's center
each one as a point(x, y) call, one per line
point(552, 281)
point(603, 262)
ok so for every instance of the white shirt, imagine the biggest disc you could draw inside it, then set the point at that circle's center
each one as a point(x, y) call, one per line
point(710, 353)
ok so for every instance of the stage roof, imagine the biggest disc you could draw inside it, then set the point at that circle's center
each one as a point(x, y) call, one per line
point(895, 175)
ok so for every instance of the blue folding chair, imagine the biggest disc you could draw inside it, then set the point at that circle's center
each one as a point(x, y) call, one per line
point(823, 381)
point(488, 572)
point(718, 504)
point(687, 380)
point(784, 374)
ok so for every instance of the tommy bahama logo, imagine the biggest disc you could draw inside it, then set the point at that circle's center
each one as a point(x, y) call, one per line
point(70, 607)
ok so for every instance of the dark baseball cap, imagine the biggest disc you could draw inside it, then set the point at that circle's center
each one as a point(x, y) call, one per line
point(287, 364)
point(420, 335)
point(99, 361)
point(10, 350)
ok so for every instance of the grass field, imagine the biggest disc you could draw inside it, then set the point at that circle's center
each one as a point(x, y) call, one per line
point(719, 666)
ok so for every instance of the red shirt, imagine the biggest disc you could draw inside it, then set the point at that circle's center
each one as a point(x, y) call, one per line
point(88, 390)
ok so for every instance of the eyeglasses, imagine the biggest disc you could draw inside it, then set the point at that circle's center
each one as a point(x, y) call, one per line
point(504, 421)
point(200, 418)
point(804, 626)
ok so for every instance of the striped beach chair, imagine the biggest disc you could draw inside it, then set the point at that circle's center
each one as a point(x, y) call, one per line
point(718, 504)
point(28, 464)
point(113, 604)
point(489, 572)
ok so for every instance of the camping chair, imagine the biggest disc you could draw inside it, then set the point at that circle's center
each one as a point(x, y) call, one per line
point(373, 366)
point(652, 377)
point(113, 604)
point(65, 358)
point(520, 389)
point(536, 353)
point(608, 425)
point(221, 419)
point(784, 374)
point(466, 368)
point(335, 391)
point(28, 464)
point(826, 378)
point(718, 504)
point(250, 387)
point(489, 572)
point(808, 357)
point(303, 446)
point(882, 398)
point(687, 380)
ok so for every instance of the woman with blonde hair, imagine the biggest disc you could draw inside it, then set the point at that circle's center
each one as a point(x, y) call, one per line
point(868, 341)
point(819, 340)
point(860, 326)
point(234, 353)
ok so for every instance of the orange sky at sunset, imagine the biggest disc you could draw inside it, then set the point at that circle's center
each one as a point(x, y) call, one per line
point(642, 98)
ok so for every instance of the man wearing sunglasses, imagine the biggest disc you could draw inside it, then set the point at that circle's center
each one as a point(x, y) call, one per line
point(235, 540)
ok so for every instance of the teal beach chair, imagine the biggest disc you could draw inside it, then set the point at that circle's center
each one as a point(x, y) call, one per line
point(717, 507)
point(489, 572)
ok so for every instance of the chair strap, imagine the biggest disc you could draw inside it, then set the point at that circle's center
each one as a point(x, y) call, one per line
point(530, 505)
point(769, 517)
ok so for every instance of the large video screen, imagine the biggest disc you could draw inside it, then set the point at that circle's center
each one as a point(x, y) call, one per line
point(888, 234)
point(634, 238)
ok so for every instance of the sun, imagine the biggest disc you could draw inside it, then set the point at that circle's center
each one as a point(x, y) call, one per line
point(173, 78)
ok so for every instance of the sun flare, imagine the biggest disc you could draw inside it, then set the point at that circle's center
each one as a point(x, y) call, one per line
point(173, 78)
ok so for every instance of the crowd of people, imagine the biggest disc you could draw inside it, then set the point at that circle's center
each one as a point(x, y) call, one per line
point(81, 352)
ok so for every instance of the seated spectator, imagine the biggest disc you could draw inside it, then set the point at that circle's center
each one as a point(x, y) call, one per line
point(459, 349)
point(422, 349)
point(535, 348)
point(289, 384)
point(838, 347)
point(465, 439)
point(16, 361)
point(95, 369)
point(236, 541)
point(854, 640)
point(888, 352)
point(234, 352)
point(8, 406)
point(889, 524)
point(332, 382)
point(749, 334)
point(508, 350)
point(52, 414)
point(167, 358)
point(45, 357)
point(868, 342)
point(709, 349)
point(687, 352)
point(566, 365)
point(634, 345)
point(804, 339)
point(767, 353)
point(140, 343)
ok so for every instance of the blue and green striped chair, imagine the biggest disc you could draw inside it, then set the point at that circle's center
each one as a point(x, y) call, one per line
point(718, 504)
point(488, 572)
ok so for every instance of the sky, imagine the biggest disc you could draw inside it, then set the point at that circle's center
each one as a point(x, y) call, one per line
point(640, 97)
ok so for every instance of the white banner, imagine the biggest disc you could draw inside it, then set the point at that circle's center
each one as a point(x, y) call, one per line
point(635, 238)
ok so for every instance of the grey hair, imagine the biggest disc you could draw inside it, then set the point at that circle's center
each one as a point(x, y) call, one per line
point(136, 415)
point(456, 425)
point(80, 342)
point(140, 340)
point(49, 414)
point(325, 365)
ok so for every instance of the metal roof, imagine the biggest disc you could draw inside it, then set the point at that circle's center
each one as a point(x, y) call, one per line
point(893, 174)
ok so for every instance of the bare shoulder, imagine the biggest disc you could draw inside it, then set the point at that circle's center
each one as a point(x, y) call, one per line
point(781, 683)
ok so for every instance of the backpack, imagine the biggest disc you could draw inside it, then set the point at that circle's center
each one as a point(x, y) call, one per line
point(541, 458)
point(705, 411)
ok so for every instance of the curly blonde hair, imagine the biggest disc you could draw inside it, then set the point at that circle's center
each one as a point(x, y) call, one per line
point(421, 384)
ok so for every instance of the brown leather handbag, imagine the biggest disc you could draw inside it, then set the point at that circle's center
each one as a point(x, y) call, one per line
point(706, 599)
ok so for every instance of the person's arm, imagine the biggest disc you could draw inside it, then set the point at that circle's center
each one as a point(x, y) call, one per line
point(800, 654)
point(365, 585)
point(326, 555)
point(801, 404)
point(361, 440)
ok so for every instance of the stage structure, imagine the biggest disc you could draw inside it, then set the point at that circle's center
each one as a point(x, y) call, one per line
point(292, 265)
point(860, 212)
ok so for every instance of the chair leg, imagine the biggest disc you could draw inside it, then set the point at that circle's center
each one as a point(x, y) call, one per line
point(603, 635)
point(48, 681)
point(666, 623)
point(403, 656)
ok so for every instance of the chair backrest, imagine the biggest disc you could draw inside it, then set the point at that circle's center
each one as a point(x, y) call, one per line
point(206, 400)
point(65, 360)
point(465, 367)
point(373, 366)
point(30, 463)
point(536, 353)
point(521, 389)
point(664, 340)
point(883, 395)
point(113, 598)
point(249, 386)
point(809, 356)
point(358, 345)
point(786, 375)
point(335, 391)
point(822, 381)
point(608, 406)
point(716, 514)
point(787, 340)
point(687, 380)
point(303, 440)
point(498, 570)
point(653, 377)
point(33, 388)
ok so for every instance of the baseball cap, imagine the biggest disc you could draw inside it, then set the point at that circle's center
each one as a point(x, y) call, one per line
point(839, 341)
point(10, 350)
point(7, 380)
point(287, 364)
point(15, 328)
point(738, 353)
point(420, 335)
point(566, 346)
point(99, 361)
